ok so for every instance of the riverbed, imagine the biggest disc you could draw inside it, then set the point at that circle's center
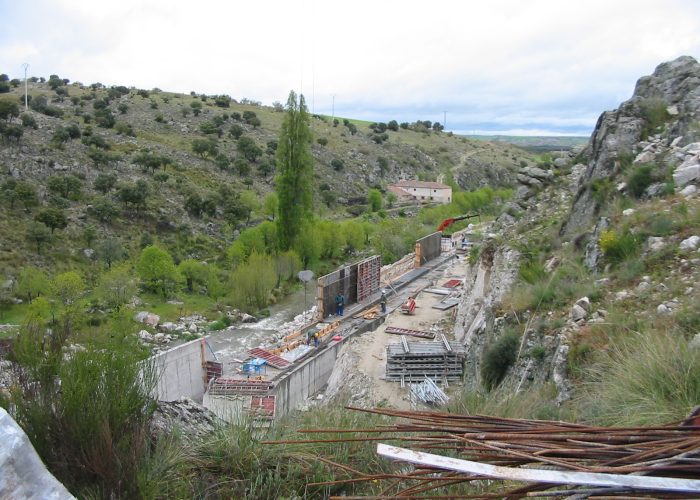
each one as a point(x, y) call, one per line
point(233, 343)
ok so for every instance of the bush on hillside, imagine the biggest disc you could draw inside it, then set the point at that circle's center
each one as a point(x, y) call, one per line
point(97, 448)
point(498, 358)
point(619, 247)
point(640, 180)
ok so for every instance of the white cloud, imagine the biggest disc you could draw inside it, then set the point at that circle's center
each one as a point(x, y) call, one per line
point(541, 62)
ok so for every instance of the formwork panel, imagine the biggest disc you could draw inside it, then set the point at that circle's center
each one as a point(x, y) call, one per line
point(347, 281)
point(428, 248)
point(368, 272)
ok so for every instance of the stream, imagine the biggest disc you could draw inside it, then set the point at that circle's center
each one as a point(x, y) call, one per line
point(234, 342)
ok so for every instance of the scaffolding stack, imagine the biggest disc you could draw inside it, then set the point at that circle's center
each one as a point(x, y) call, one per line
point(414, 361)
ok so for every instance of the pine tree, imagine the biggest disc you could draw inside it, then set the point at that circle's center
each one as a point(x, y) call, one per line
point(295, 167)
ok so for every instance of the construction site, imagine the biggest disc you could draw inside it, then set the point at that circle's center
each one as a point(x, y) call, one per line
point(407, 361)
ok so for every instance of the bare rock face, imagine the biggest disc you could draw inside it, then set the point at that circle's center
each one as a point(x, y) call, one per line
point(617, 133)
point(22, 473)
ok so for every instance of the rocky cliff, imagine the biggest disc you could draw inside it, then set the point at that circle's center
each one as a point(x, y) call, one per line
point(664, 107)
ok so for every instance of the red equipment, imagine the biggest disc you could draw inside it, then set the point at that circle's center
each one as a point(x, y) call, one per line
point(451, 220)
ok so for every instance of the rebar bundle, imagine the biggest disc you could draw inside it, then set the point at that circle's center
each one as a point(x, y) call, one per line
point(666, 451)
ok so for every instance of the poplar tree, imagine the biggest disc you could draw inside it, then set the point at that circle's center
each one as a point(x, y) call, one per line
point(295, 167)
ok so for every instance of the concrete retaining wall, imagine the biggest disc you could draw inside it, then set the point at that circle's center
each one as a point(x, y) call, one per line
point(229, 408)
point(305, 380)
point(311, 375)
point(181, 372)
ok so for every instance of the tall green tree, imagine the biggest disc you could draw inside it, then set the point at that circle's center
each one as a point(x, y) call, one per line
point(31, 283)
point(295, 167)
point(157, 270)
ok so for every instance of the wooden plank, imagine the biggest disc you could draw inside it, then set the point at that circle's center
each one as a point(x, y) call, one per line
point(540, 475)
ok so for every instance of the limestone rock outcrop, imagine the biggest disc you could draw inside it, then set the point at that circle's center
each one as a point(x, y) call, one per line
point(618, 133)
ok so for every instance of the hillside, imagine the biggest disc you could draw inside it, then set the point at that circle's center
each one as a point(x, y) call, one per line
point(121, 136)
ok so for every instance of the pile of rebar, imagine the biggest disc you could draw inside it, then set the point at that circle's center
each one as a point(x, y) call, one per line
point(661, 454)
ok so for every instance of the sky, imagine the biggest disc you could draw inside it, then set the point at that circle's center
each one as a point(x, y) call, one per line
point(518, 67)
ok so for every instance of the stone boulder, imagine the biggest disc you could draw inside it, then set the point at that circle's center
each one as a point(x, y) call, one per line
point(537, 173)
point(689, 191)
point(147, 318)
point(578, 313)
point(690, 243)
point(22, 473)
point(685, 175)
point(645, 157)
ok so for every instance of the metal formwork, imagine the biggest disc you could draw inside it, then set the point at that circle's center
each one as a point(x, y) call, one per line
point(413, 361)
point(356, 282)
point(428, 248)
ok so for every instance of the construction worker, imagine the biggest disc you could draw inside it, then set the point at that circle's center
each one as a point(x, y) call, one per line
point(382, 302)
point(316, 339)
point(339, 304)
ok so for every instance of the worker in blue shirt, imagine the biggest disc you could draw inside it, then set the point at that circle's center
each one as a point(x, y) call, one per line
point(339, 304)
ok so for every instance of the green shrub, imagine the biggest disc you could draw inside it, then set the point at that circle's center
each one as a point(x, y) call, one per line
point(602, 190)
point(498, 358)
point(640, 180)
point(661, 225)
point(538, 352)
point(532, 272)
point(579, 355)
point(655, 115)
point(619, 247)
point(96, 447)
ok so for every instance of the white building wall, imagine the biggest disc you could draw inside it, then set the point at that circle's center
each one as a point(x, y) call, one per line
point(430, 194)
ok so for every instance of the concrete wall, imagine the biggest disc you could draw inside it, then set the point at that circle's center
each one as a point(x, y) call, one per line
point(305, 380)
point(229, 408)
point(310, 376)
point(181, 372)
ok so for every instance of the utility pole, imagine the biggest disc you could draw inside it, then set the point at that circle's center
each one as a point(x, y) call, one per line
point(26, 101)
point(444, 119)
point(333, 109)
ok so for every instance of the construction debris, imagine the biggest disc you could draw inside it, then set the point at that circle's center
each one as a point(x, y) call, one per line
point(413, 361)
point(370, 313)
point(428, 392)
